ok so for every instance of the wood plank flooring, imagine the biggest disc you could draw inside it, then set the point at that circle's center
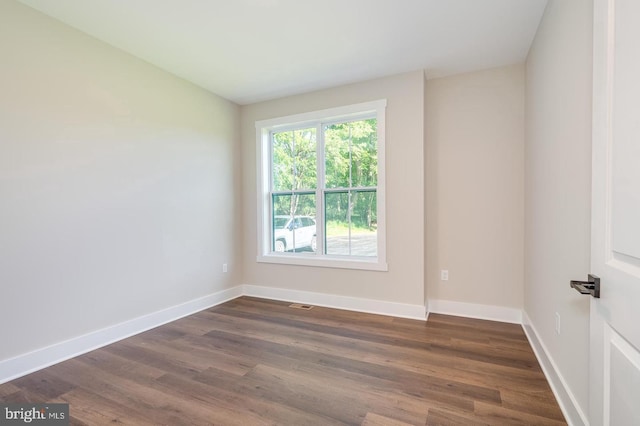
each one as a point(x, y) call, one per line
point(259, 362)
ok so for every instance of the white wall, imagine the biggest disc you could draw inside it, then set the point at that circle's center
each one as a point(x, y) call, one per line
point(118, 185)
point(475, 187)
point(404, 281)
point(558, 178)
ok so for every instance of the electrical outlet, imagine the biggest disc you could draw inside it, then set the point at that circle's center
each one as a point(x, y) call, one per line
point(444, 275)
point(557, 323)
point(224, 267)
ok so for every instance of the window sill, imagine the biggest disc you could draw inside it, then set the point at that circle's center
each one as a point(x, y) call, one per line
point(361, 263)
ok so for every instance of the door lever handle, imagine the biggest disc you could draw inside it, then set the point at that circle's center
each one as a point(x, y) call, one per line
point(592, 286)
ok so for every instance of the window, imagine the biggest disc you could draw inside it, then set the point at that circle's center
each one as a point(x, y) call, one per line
point(321, 188)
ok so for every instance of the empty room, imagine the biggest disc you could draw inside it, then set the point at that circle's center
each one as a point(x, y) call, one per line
point(292, 212)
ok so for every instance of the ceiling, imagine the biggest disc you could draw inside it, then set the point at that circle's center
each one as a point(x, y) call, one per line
point(254, 50)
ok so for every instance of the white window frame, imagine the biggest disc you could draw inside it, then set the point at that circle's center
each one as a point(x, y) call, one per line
point(264, 128)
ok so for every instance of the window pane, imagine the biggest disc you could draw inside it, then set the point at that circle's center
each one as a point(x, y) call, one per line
point(364, 153)
point(294, 160)
point(351, 154)
point(336, 151)
point(336, 215)
point(293, 228)
point(351, 223)
point(364, 223)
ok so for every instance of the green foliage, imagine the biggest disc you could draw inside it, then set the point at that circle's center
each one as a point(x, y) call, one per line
point(294, 205)
point(294, 169)
point(351, 161)
point(294, 160)
point(351, 154)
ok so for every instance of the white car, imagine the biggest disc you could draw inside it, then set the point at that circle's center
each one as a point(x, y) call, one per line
point(287, 229)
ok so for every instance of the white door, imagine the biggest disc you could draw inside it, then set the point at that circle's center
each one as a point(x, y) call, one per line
point(615, 255)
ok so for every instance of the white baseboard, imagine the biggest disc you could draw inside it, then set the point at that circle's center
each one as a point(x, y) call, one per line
point(24, 364)
point(472, 310)
point(567, 401)
point(357, 304)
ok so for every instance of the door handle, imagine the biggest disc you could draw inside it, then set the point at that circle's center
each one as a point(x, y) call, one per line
point(592, 286)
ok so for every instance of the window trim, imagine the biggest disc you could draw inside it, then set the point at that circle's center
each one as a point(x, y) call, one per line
point(263, 176)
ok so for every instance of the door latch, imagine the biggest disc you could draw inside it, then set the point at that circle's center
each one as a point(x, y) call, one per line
point(591, 287)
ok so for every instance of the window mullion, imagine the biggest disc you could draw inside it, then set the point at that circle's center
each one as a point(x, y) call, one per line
point(320, 187)
point(293, 184)
point(350, 184)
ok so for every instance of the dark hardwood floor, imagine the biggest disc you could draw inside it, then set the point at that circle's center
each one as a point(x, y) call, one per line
point(259, 362)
